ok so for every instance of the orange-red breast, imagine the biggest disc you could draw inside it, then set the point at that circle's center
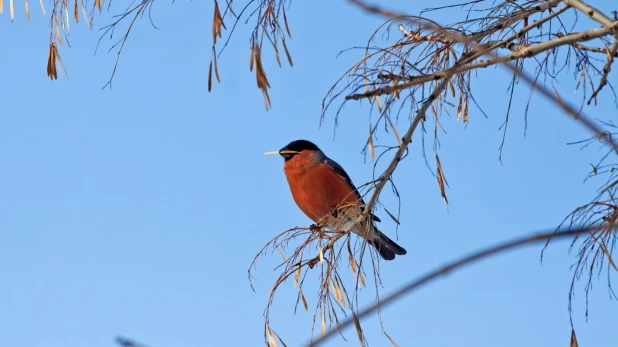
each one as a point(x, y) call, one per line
point(325, 193)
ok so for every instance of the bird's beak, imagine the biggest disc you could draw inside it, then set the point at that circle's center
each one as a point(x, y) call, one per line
point(283, 151)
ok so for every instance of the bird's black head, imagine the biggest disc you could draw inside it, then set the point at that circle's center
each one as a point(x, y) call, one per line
point(295, 147)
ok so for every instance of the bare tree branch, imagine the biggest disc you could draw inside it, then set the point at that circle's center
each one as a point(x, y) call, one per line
point(449, 268)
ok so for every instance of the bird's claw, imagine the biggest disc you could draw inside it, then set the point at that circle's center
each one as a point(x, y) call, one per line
point(315, 227)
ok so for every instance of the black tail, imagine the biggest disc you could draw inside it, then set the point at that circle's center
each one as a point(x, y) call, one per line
point(386, 247)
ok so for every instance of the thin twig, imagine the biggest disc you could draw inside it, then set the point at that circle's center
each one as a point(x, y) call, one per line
point(566, 106)
point(607, 22)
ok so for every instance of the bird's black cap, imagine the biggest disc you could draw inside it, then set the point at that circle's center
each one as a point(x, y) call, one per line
point(297, 146)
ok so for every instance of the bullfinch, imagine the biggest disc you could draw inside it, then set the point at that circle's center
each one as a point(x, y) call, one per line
point(325, 193)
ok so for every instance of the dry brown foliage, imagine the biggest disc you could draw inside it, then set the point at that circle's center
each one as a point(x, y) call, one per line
point(271, 27)
point(63, 12)
point(595, 251)
point(341, 264)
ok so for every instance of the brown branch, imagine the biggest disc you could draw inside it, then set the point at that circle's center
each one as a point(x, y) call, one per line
point(447, 269)
point(527, 52)
point(444, 83)
point(590, 11)
point(607, 68)
point(434, 96)
point(405, 142)
point(592, 49)
point(607, 22)
point(475, 53)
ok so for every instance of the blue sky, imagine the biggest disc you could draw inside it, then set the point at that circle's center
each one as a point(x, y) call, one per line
point(136, 211)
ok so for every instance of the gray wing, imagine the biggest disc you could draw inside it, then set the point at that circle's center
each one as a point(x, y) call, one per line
point(341, 172)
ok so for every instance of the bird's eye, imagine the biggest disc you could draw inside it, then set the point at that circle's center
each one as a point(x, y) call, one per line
point(287, 154)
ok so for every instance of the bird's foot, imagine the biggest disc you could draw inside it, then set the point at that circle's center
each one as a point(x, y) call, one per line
point(315, 227)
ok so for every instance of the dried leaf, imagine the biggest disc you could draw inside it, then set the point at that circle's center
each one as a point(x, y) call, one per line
point(27, 10)
point(277, 55)
point(337, 286)
point(260, 75)
point(266, 99)
point(302, 297)
point(361, 277)
point(66, 24)
point(251, 58)
point(215, 22)
point(58, 37)
point(341, 296)
point(285, 260)
point(52, 72)
point(12, 8)
point(40, 2)
point(573, 339)
point(2, 5)
point(214, 58)
point(85, 15)
point(75, 11)
point(271, 339)
point(287, 27)
point(278, 337)
point(287, 53)
point(352, 263)
point(397, 95)
point(441, 181)
point(98, 2)
point(335, 290)
point(210, 77)
point(323, 322)
point(391, 339)
point(297, 276)
point(320, 253)
point(370, 145)
point(459, 106)
point(465, 117)
point(397, 137)
point(379, 103)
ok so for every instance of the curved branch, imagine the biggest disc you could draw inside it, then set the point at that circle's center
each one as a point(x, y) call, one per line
point(455, 265)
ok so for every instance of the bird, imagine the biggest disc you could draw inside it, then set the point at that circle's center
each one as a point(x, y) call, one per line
point(325, 193)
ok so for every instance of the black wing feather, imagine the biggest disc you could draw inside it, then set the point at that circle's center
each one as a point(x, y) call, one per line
point(341, 172)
